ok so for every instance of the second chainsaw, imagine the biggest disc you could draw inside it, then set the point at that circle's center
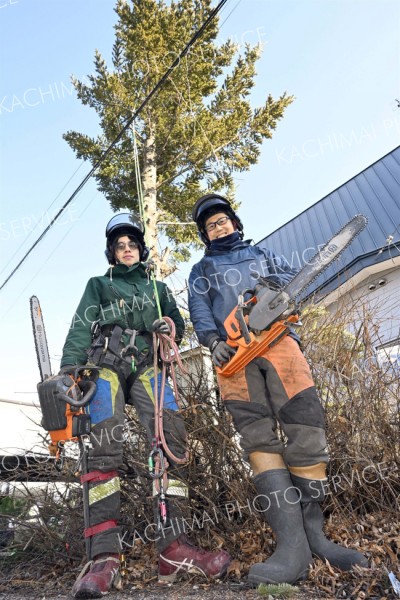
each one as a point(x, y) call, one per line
point(266, 313)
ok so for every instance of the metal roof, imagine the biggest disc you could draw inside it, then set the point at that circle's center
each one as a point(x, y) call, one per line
point(375, 192)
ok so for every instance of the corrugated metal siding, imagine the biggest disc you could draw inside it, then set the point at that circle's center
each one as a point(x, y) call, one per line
point(375, 192)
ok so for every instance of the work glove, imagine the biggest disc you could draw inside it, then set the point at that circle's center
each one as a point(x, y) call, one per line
point(85, 376)
point(67, 370)
point(221, 352)
point(160, 326)
point(85, 372)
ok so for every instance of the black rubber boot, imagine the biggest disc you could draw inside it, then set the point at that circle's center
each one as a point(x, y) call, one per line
point(281, 509)
point(312, 493)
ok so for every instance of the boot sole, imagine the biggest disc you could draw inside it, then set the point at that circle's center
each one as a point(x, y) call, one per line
point(87, 595)
point(91, 594)
point(193, 571)
point(257, 579)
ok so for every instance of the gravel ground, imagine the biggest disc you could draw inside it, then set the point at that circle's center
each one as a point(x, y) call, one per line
point(186, 590)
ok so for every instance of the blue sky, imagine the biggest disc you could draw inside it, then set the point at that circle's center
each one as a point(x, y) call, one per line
point(339, 58)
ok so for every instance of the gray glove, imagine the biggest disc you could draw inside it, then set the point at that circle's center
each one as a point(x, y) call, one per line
point(85, 373)
point(67, 370)
point(221, 352)
point(160, 326)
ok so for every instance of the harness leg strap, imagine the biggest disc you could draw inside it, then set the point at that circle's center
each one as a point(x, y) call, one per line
point(108, 484)
point(94, 476)
point(91, 531)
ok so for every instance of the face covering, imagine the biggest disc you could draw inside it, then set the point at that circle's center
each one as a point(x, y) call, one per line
point(225, 243)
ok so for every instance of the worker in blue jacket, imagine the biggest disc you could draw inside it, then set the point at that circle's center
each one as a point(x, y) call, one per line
point(275, 388)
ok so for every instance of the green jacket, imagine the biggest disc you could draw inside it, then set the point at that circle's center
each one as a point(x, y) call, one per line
point(124, 296)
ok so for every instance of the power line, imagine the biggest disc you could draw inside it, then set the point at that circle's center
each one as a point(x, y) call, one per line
point(42, 215)
point(161, 81)
point(43, 263)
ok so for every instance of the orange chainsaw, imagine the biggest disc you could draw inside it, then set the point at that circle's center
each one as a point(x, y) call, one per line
point(258, 323)
point(62, 397)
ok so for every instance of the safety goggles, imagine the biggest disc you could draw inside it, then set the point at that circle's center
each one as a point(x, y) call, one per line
point(121, 246)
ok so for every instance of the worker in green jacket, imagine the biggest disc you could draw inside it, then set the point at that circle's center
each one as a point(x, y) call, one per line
point(113, 329)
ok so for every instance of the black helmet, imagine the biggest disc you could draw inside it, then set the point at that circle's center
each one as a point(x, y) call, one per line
point(211, 204)
point(125, 224)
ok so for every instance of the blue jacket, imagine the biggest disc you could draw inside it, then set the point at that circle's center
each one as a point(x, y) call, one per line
point(221, 275)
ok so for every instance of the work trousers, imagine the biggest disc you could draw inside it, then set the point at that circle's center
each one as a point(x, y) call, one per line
point(107, 414)
point(277, 388)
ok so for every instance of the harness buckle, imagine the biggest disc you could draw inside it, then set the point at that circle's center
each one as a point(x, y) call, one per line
point(131, 344)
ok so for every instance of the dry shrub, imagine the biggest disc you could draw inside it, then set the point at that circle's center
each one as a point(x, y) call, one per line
point(361, 399)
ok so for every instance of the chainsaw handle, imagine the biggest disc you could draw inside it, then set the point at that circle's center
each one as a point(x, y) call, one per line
point(87, 394)
point(247, 292)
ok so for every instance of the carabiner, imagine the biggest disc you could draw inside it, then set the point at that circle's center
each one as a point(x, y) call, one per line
point(60, 457)
point(152, 463)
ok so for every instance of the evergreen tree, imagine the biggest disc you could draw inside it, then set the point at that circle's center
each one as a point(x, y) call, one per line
point(196, 131)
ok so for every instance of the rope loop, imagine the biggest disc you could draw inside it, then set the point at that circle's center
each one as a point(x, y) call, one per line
point(164, 345)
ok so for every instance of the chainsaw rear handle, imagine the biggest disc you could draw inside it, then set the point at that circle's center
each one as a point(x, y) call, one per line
point(88, 389)
point(86, 386)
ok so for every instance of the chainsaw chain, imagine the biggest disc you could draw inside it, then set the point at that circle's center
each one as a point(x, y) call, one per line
point(40, 315)
point(329, 263)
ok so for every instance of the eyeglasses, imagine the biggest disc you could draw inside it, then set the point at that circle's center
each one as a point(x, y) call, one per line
point(131, 245)
point(221, 221)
